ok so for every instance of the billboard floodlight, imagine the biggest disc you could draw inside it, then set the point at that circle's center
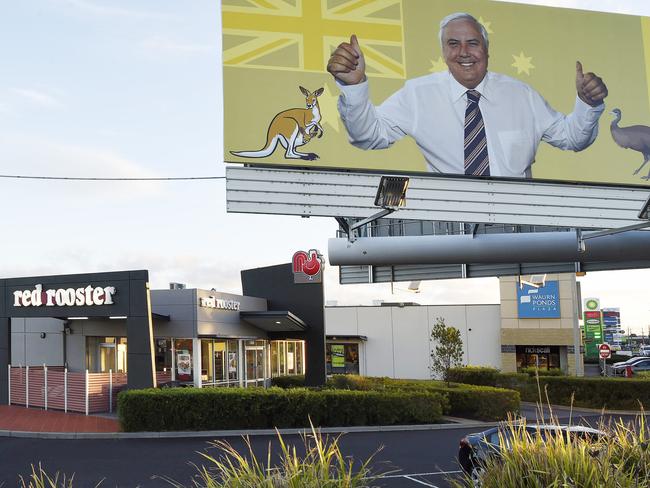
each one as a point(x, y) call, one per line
point(391, 194)
point(392, 191)
point(535, 280)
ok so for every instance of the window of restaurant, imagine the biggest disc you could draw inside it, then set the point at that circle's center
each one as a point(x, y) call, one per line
point(541, 357)
point(342, 358)
point(163, 354)
point(287, 357)
point(219, 361)
point(184, 352)
point(104, 354)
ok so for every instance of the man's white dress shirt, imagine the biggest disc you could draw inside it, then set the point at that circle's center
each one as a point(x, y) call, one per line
point(431, 109)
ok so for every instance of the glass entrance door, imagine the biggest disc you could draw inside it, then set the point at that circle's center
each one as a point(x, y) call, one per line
point(255, 364)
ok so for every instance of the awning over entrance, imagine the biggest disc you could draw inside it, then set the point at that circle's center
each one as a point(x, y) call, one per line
point(274, 321)
point(347, 338)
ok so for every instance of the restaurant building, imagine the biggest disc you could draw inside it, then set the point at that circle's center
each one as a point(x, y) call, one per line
point(93, 334)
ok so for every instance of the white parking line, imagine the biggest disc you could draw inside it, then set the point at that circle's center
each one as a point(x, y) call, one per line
point(435, 473)
point(421, 482)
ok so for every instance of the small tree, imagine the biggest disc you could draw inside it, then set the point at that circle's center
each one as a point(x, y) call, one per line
point(447, 349)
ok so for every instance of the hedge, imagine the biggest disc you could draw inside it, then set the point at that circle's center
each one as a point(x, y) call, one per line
point(253, 408)
point(476, 402)
point(590, 392)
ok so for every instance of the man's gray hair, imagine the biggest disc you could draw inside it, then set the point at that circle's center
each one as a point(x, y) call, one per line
point(462, 15)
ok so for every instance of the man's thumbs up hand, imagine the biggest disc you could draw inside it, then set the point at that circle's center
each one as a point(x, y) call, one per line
point(347, 63)
point(591, 88)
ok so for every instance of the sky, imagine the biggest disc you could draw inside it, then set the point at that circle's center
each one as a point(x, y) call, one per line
point(127, 88)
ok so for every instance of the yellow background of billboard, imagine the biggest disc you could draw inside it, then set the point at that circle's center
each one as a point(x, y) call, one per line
point(271, 47)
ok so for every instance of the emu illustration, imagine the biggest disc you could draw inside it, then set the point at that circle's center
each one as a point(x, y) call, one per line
point(636, 137)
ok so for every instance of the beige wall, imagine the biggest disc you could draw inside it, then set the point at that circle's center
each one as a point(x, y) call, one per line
point(543, 332)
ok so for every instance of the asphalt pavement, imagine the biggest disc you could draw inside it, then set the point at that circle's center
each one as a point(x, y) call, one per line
point(412, 458)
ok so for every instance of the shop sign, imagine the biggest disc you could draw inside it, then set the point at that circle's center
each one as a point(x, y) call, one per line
point(308, 266)
point(338, 355)
point(64, 297)
point(537, 350)
point(221, 303)
point(539, 302)
point(184, 366)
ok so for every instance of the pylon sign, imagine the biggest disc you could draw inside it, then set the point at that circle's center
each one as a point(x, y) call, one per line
point(593, 327)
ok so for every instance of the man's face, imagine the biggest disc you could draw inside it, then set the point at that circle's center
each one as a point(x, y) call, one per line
point(465, 52)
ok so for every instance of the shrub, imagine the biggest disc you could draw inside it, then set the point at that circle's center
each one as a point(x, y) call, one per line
point(533, 371)
point(252, 408)
point(474, 375)
point(291, 381)
point(591, 392)
point(476, 402)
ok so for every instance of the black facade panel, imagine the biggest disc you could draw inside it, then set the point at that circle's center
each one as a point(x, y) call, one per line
point(275, 283)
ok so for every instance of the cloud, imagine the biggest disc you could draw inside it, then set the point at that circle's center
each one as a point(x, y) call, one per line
point(162, 45)
point(38, 97)
point(104, 10)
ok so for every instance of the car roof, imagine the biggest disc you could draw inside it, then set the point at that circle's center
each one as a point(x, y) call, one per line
point(547, 427)
point(633, 360)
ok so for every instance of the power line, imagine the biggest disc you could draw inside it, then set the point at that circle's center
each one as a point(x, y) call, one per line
point(78, 178)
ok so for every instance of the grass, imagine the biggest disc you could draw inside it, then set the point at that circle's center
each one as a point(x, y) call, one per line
point(322, 466)
point(619, 458)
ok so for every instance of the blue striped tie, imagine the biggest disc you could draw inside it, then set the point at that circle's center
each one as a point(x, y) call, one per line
point(477, 162)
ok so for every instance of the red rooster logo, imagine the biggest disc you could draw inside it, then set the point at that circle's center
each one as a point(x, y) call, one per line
point(307, 263)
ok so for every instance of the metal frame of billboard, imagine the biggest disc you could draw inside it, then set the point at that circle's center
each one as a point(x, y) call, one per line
point(434, 197)
point(504, 205)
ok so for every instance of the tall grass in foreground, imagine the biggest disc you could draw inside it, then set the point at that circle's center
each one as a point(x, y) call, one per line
point(618, 459)
point(322, 466)
point(40, 479)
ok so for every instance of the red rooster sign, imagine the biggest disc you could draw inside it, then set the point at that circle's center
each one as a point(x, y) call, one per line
point(307, 267)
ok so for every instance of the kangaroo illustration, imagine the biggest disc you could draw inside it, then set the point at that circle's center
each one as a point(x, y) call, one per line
point(292, 128)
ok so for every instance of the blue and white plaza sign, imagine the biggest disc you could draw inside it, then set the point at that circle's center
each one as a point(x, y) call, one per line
point(539, 303)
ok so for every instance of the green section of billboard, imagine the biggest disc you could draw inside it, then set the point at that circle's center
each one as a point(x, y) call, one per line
point(272, 48)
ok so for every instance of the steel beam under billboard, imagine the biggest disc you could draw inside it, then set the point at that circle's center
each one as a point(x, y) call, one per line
point(434, 197)
point(488, 248)
point(280, 103)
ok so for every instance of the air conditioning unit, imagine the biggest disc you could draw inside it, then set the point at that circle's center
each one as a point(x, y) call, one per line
point(177, 286)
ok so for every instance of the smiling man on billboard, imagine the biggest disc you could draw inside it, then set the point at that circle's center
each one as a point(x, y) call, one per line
point(466, 120)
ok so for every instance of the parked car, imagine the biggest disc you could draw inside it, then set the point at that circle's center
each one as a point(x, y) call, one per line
point(629, 361)
point(476, 449)
point(645, 351)
point(629, 368)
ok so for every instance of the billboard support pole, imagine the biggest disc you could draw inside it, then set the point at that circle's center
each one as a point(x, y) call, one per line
point(577, 339)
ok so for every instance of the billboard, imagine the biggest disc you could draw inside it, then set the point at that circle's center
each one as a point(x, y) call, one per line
point(280, 103)
point(541, 302)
